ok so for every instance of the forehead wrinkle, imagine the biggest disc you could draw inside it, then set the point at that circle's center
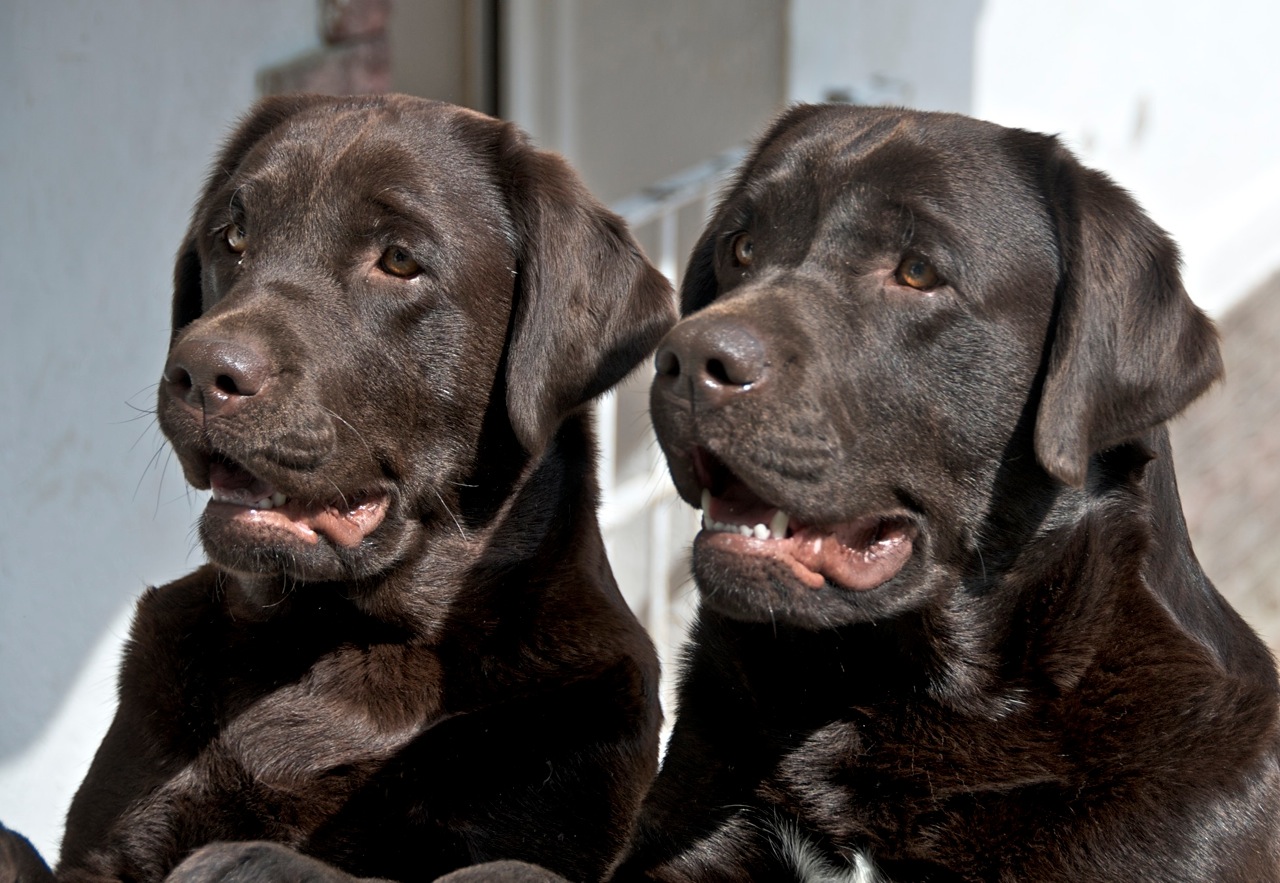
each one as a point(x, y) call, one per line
point(307, 153)
point(381, 166)
point(811, 154)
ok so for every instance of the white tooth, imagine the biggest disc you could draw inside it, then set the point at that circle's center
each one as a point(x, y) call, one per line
point(744, 530)
point(707, 523)
point(817, 544)
point(778, 526)
point(761, 532)
point(264, 503)
point(706, 499)
point(279, 499)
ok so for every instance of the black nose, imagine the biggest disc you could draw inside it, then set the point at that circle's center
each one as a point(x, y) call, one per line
point(216, 376)
point(712, 359)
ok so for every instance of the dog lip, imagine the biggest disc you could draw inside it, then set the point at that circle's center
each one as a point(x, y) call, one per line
point(229, 482)
point(240, 496)
point(704, 469)
point(859, 553)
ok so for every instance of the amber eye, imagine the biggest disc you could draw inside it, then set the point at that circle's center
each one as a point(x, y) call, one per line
point(398, 262)
point(237, 239)
point(743, 250)
point(916, 272)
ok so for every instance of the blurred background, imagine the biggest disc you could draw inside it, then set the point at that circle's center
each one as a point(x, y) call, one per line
point(110, 112)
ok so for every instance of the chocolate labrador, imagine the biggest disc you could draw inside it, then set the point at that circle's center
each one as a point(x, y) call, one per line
point(951, 624)
point(407, 653)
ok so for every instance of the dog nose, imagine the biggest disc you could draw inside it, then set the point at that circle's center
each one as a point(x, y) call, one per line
point(216, 376)
point(711, 360)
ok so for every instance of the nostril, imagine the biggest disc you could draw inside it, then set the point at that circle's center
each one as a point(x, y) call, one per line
point(667, 363)
point(717, 371)
point(178, 377)
point(225, 383)
point(732, 355)
point(217, 375)
point(709, 359)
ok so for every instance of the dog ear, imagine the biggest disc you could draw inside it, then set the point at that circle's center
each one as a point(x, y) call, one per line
point(588, 307)
point(1128, 349)
point(265, 116)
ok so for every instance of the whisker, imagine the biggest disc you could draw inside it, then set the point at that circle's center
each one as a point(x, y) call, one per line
point(336, 416)
point(341, 496)
point(139, 414)
point(146, 470)
point(194, 545)
point(287, 585)
point(451, 515)
point(150, 427)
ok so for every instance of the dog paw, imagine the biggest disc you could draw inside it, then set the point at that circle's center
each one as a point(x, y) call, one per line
point(19, 861)
point(502, 872)
point(253, 862)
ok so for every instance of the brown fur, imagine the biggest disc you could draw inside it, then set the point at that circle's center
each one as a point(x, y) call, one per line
point(1047, 688)
point(421, 661)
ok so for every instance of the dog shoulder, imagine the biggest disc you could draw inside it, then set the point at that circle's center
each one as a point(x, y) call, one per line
point(166, 619)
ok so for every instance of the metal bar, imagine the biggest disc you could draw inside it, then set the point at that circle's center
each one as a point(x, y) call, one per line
point(659, 562)
point(607, 438)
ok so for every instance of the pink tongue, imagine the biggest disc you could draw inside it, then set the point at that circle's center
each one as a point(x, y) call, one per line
point(859, 566)
point(856, 555)
point(344, 528)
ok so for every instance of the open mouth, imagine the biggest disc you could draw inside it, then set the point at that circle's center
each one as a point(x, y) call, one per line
point(861, 553)
point(242, 497)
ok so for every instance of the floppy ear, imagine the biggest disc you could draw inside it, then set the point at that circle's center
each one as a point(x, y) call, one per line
point(263, 117)
point(589, 306)
point(1128, 348)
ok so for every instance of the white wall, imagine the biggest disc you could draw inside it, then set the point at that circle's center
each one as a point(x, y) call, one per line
point(917, 53)
point(1179, 101)
point(632, 92)
point(109, 113)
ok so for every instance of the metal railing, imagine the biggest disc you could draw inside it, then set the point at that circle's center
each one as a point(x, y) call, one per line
point(647, 528)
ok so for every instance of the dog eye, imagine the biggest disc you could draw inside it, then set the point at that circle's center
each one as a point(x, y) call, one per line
point(916, 272)
point(399, 262)
point(743, 250)
point(237, 240)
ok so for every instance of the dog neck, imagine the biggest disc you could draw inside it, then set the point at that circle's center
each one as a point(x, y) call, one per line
point(511, 517)
point(1057, 613)
point(1115, 549)
point(516, 516)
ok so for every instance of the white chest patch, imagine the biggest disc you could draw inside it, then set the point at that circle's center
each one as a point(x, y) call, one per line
point(812, 866)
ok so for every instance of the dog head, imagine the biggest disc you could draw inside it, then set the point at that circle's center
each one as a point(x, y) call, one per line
point(364, 281)
point(895, 321)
